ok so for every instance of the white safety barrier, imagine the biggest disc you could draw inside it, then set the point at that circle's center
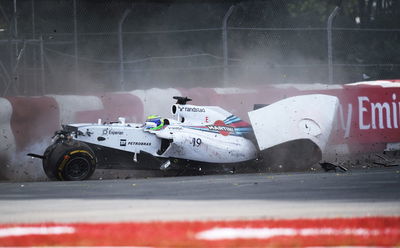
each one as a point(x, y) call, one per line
point(7, 141)
point(368, 117)
point(156, 101)
point(70, 105)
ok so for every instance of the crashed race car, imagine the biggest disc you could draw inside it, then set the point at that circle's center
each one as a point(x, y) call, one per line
point(296, 128)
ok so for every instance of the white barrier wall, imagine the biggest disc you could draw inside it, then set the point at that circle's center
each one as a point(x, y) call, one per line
point(156, 101)
point(70, 105)
point(368, 118)
point(7, 141)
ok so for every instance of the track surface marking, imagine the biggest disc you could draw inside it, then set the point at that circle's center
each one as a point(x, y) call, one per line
point(216, 197)
point(373, 231)
point(244, 210)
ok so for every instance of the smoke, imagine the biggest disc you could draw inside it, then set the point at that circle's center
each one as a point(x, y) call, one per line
point(165, 59)
point(20, 167)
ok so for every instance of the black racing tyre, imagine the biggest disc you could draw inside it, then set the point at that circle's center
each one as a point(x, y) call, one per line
point(69, 161)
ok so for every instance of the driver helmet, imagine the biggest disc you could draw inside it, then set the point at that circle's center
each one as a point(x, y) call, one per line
point(156, 120)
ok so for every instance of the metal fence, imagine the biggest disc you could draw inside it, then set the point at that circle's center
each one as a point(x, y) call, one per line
point(73, 46)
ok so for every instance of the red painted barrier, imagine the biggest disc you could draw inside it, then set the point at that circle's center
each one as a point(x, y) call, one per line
point(368, 231)
point(114, 106)
point(368, 119)
point(33, 119)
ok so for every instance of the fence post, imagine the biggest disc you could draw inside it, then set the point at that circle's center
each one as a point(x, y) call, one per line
point(329, 31)
point(76, 49)
point(225, 45)
point(16, 80)
point(42, 72)
point(121, 49)
point(15, 16)
point(34, 77)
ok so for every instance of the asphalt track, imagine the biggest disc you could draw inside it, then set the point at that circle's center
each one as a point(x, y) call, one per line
point(372, 192)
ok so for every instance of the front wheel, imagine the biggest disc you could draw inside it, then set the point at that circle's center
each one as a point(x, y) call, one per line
point(69, 161)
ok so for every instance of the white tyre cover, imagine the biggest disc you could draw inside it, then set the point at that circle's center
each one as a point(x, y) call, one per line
point(301, 117)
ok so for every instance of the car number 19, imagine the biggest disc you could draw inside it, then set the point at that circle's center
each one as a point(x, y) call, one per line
point(196, 142)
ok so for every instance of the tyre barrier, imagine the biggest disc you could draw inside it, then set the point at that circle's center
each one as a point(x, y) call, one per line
point(368, 118)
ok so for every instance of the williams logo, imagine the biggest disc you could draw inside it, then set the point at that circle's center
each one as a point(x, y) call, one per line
point(192, 109)
point(122, 142)
point(221, 127)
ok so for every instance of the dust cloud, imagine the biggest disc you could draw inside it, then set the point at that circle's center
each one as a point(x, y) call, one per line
point(167, 59)
point(178, 44)
point(20, 167)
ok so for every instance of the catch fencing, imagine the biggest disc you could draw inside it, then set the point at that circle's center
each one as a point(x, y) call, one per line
point(77, 47)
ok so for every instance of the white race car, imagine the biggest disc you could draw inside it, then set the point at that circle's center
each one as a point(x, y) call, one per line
point(196, 137)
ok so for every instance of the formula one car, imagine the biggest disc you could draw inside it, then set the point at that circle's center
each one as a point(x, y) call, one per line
point(196, 136)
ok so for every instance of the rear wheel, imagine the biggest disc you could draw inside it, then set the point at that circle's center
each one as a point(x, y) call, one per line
point(69, 161)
